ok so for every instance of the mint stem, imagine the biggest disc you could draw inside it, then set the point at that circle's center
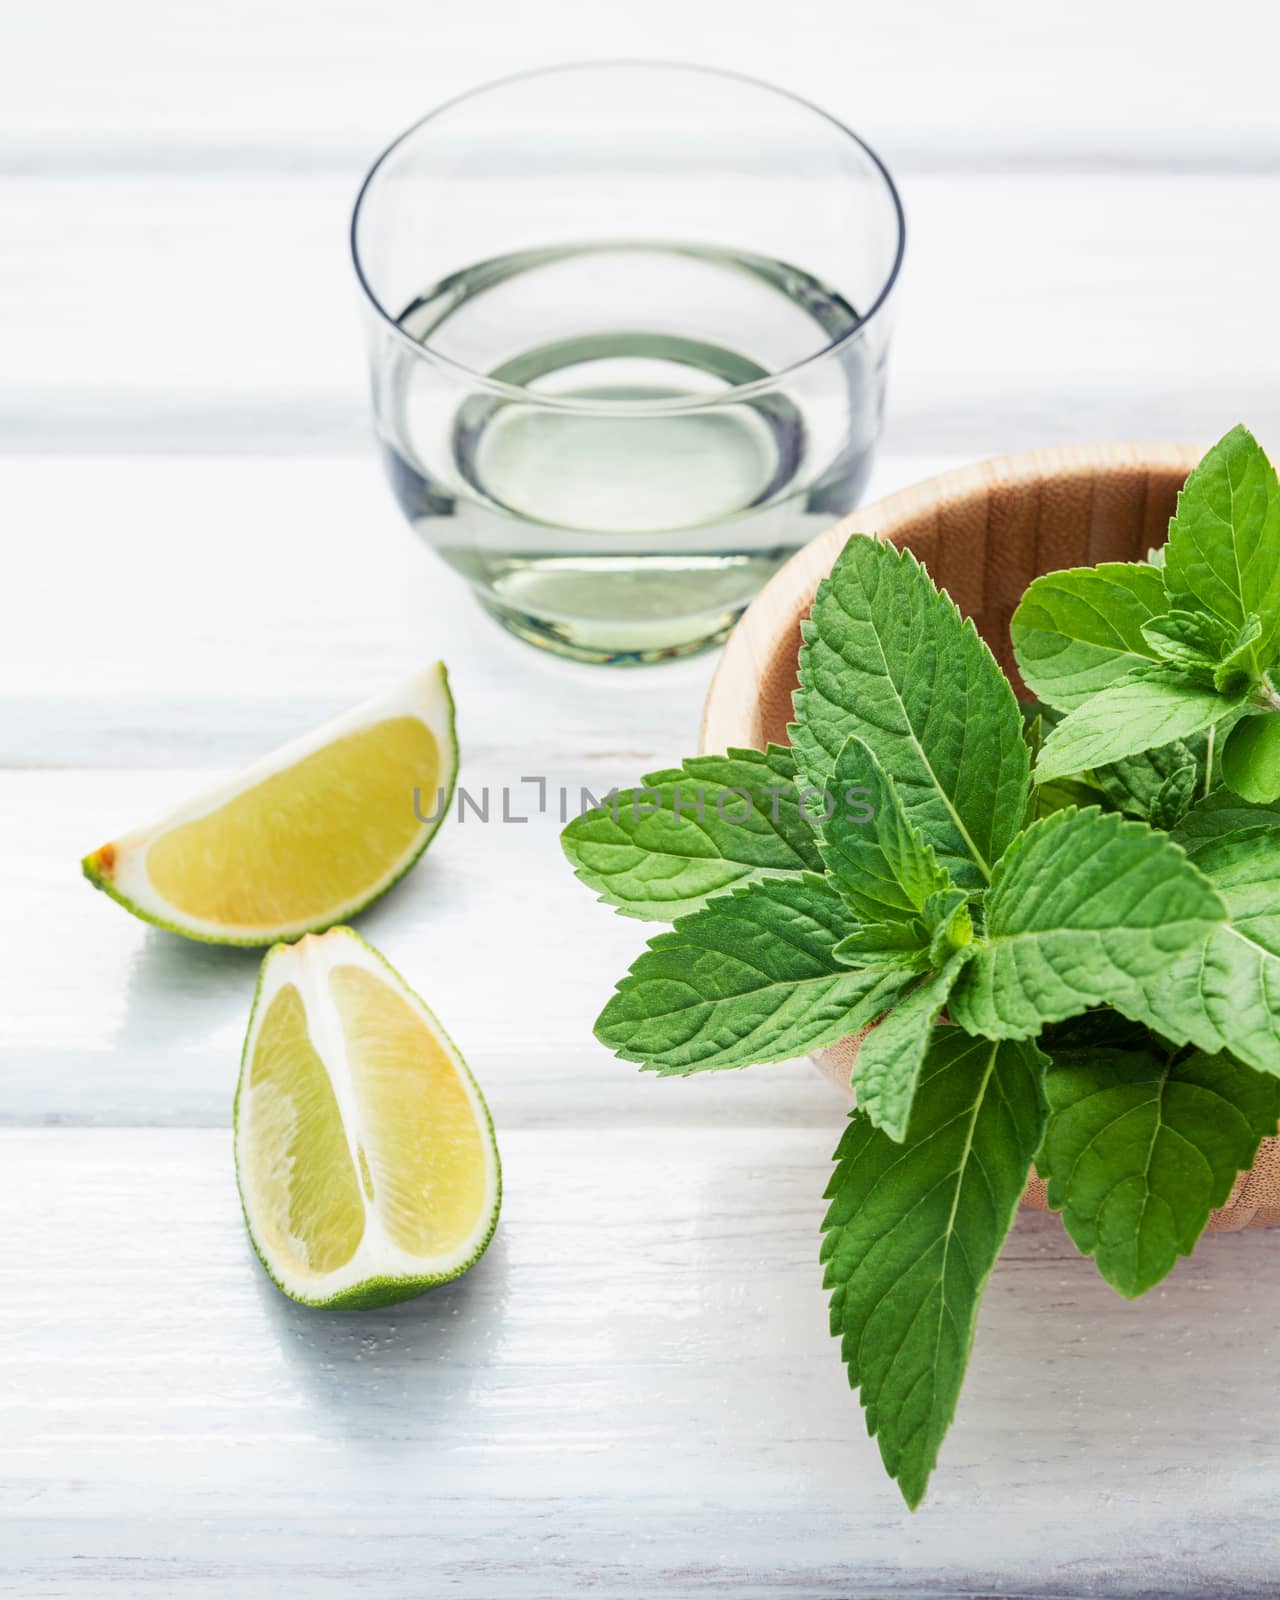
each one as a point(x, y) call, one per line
point(1267, 696)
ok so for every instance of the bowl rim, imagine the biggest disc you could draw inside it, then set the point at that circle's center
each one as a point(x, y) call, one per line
point(755, 638)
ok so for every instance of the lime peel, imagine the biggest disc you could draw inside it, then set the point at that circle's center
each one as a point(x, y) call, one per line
point(304, 838)
point(359, 1133)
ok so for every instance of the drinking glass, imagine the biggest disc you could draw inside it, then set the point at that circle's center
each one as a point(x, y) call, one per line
point(627, 329)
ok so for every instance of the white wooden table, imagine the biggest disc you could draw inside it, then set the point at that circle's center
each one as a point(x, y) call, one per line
point(634, 1392)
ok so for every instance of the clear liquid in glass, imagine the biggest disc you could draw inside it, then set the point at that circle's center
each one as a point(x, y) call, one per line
point(638, 518)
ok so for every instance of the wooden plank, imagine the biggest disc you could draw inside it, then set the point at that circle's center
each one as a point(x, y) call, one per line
point(635, 1390)
point(1030, 313)
point(195, 611)
point(207, 607)
point(292, 85)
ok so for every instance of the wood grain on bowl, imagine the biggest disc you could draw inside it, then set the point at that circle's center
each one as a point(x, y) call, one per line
point(984, 532)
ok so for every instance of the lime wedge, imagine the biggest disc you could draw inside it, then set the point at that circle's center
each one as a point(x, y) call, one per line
point(365, 1154)
point(304, 838)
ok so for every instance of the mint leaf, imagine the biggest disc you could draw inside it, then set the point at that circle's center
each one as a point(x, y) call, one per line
point(880, 864)
point(887, 1069)
point(1224, 994)
point(1244, 867)
point(1077, 631)
point(1140, 1149)
point(1222, 812)
point(887, 944)
point(923, 944)
point(1081, 790)
point(1034, 727)
point(1251, 758)
point(1223, 554)
point(1084, 905)
point(1060, 795)
point(887, 657)
point(1134, 783)
point(1187, 639)
point(1101, 1028)
point(947, 919)
point(1150, 707)
point(1237, 665)
point(1173, 798)
point(913, 1231)
point(749, 978)
point(660, 850)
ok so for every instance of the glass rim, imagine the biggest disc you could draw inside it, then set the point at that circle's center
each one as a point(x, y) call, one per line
point(513, 391)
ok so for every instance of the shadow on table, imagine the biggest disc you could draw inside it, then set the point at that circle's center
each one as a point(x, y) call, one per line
point(1072, 1391)
point(184, 987)
point(1129, 1391)
point(401, 1370)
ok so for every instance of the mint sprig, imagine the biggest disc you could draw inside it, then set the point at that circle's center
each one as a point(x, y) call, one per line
point(1223, 557)
point(1140, 655)
point(912, 1234)
point(1081, 971)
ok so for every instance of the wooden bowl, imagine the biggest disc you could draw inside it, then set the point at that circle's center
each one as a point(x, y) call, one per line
point(984, 532)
